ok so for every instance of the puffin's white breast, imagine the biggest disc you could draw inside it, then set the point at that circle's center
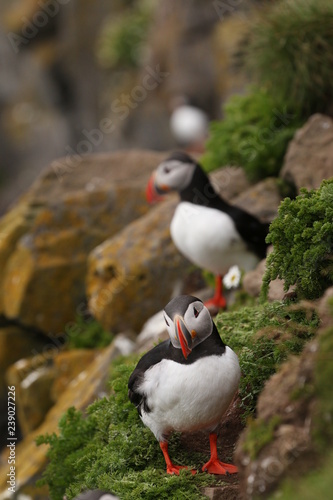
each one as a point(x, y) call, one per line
point(189, 397)
point(208, 237)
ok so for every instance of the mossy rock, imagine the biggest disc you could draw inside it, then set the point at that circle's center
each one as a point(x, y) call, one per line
point(288, 447)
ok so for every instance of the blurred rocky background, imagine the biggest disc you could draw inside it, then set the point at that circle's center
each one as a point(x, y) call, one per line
point(68, 65)
point(88, 95)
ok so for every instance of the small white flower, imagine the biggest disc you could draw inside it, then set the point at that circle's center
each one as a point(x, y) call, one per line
point(232, 278)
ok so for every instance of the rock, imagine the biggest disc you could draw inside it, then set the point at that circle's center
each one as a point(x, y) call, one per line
point(261, 200)
point(324, 308)
point(125, 343)
point(290, 450)
point(252, 282)
point(230, 182)
point(41, 380)
point(32, 379)
point(75, 205)
point(134, 274)
point(309, 156)
point(48, 93)
point(68, 364)
point(227, 492)
point(292, 432)
point(15, 343)
point(12, 226)
point(153, 331)
point(81, 392)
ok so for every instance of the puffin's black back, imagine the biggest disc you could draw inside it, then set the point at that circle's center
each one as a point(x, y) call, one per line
point(201, 192)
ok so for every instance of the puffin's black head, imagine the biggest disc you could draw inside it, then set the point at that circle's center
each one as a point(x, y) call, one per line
point(173, 174)
point(188, 322)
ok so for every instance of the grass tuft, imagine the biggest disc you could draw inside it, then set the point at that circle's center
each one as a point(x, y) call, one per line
point(291, 56)
point(254, 134)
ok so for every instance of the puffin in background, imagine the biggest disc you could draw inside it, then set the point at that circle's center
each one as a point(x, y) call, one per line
point(189, 124)
point(186, 383)
point(206, 229)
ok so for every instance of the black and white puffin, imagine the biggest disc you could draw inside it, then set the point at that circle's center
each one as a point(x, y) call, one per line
point(186, 383)
point(210, 232)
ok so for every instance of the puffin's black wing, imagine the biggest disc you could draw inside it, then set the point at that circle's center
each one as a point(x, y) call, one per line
point(252, 231)
point(151, 358)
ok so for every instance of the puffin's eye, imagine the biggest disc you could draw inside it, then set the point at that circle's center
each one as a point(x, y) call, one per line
point(166, 321)
point(166, 169)
point(196, 312)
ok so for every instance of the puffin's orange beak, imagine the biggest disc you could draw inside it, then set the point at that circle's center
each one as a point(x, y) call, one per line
point(184, 337)
point(152, 195)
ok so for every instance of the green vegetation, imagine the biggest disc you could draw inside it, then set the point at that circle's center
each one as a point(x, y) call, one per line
point(109, 448)
point(287, 53)
point(291, 64)
point(302, 238)
point(323, 423)
point(254, 134)
point(86, 334)
point(318, 483)
point(263, 337)
point(259, 434)
point(123, 37)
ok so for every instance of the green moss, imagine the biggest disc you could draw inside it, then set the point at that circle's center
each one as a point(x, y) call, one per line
point(291, 64)
point(302, 238)
point(303, 393)
point(75, 434)
point(317, 484)
point(242, 299)
point(284, 331)
point(87, 333)
point(323, 421)
point(286, 52)
point(259, 434)
point(254, 134)
point(123, 37)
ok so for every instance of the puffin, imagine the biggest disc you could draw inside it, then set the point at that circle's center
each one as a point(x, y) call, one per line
point(206, 229)
point(187, 382)
point(189, 124)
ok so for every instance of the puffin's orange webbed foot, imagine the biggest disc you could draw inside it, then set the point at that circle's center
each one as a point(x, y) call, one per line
point(174, 469)
point(171, 468)
point(214, 466)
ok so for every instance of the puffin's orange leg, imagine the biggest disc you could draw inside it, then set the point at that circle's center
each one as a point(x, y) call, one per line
point(218, 299)
point(171, 468)
point(214, 466)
